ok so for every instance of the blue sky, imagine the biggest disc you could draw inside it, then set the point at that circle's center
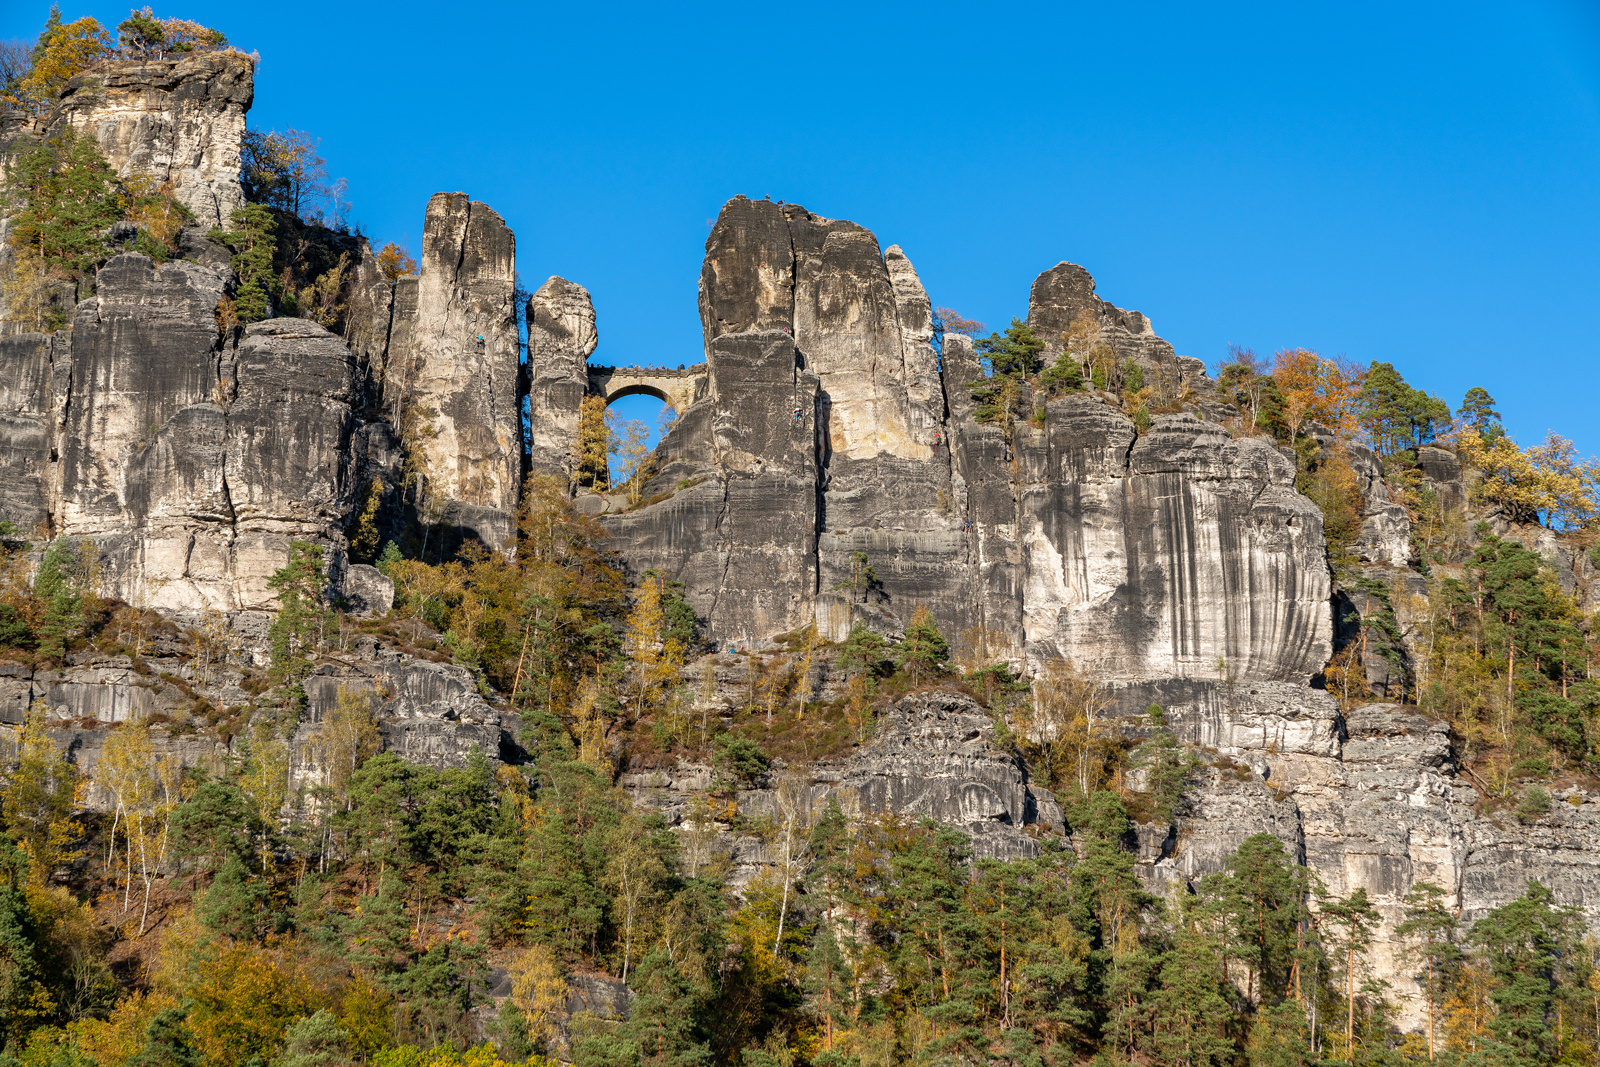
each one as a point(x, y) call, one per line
point(1412, 183)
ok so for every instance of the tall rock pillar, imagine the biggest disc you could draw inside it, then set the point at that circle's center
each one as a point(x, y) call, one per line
point(561, 336)
point(456, 381)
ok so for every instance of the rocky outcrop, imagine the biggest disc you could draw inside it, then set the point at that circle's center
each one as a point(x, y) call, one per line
point(191, 464)
point(1145, 560)
point(934, 756)
point(1063, 299)
point(561, 337)
point(454, 368)
point(1373, 798)
point(178, 121)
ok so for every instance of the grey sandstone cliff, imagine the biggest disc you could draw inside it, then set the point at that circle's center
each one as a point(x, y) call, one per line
point(827, 430)
point(1147, 559)
point(179, 121)
point(453, 369)
point(561, 337)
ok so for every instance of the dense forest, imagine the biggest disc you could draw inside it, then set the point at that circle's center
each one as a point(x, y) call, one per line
point(210, 916)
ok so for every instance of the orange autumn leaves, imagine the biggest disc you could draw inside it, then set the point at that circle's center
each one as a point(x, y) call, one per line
point(1324, 391)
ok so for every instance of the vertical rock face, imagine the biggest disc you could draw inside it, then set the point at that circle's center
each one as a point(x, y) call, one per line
point(27, 428)
point(176, 120)
point(458, 372)
point(1144, 558)
point(1156, 557)
point(144, 350)
point(189, 463)
point(561, 337)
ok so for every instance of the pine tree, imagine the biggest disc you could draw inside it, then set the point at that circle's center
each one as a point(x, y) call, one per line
point(1166, 763)
point(1522, 943)
point(1260, 903)
point(24, 1000)
point(315, 1041)
point(236, 904)
point(254, 245)
point(862, 650)
point(1350, 921)
point(1430, 926)
point(1191, 1012)
point(828, 983)
point(1477, 410)
point(923, 650)
point(67, 193)
point(296, 631)
point(168, 1042)
point(63, 614)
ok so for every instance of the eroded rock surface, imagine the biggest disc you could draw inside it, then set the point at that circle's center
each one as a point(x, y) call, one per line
point(454, 366)
point(561, 336)
point(178, 121)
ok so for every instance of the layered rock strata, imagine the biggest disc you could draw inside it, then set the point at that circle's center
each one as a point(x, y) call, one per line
point(561, 337)
point(1143, 557)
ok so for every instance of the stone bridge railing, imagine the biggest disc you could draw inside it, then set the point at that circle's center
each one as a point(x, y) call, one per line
point(676, 388)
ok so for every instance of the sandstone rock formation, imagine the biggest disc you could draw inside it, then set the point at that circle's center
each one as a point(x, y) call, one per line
point(175, 120)
point(825, 469)
point(1145, 561)
point(454, 368)
point(561, 337)
point(1065, 293)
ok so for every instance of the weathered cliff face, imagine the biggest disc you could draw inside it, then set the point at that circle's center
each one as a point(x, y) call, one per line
point(1147, 558)
point(175, 120)
point(561, 336)
point(189, 463)
point(453, 369)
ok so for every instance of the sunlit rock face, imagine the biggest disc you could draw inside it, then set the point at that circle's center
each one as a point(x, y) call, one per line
point(457, 379)
point(561, 336)
point(176, 121)
point(1144, 557)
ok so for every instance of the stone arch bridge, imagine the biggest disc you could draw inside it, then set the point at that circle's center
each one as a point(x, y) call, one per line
point(676, 388)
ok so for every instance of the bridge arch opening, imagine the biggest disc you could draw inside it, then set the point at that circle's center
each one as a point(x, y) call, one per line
point(648, 391)
point(637, 417)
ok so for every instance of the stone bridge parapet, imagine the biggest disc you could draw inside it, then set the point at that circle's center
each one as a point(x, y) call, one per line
point(676, 388)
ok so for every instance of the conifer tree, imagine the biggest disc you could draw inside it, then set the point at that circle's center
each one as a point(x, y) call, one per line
point(1429, 925)
point(923, 651)
point(1350, 921)
point(53, 584)
point(296, 631)
point(254, 245)
point(1477, 411)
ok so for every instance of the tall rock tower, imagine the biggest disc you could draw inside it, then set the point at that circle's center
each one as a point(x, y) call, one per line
point(454, 369)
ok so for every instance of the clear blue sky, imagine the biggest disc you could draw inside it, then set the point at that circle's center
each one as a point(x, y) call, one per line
point(1414, 183)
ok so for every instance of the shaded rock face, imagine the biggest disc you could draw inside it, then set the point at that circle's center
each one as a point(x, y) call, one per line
point(28, 434)
point(561, 337)
point(176, 120)
point(934, 757)
point(742, 534)
point(454, 367)
point(1065, 293)
point(428, 713)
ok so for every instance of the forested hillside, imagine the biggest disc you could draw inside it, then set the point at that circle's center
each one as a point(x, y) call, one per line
point(1043, 700)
